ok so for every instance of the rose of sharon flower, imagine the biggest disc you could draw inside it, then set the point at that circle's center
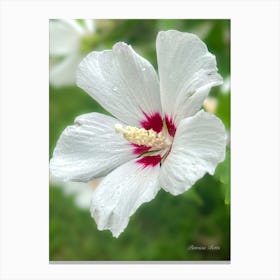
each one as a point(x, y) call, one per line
point(158, 138)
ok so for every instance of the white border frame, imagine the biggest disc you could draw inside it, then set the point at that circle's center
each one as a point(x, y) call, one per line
point(255, 138)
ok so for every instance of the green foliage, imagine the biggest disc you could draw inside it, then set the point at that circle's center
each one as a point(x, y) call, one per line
point(165, 228)
point(223, 175)
point(223, 109)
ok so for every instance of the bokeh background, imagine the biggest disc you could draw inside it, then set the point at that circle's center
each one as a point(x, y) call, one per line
point(169, 227)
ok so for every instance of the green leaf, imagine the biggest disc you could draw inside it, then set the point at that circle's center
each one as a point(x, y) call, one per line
point(223, 109)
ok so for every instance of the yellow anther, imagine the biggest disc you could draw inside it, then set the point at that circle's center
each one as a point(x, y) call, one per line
point(141, 136)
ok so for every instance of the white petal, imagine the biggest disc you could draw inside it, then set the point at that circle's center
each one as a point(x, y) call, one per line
point(90, 148)
point(64, 37)
point(75, 25)
point(199, 145)
point(123, 82)
point(63, 73)
point(187, 71)
point(81, 192)
point(89, 25)
point(120, 194)
point(226, 86)
point(83, 197)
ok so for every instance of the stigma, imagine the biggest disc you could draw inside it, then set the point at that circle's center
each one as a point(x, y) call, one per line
point(142, 136)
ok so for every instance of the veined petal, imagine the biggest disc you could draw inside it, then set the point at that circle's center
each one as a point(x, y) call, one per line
point(90, 148)
point(187, 71)
point(63, 73)
point(120, 194)
point(123, 82)
point(64, 37)
point(199, 145)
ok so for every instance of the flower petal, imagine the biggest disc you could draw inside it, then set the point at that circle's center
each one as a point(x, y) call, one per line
point(199, 145)
point(120, 194)
point(187, 72)
point(123, 82)
point(63, 73)
point(89, 25)
point(90, 148)
point(64, 37)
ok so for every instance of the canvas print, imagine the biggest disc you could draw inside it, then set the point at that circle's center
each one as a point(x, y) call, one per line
point(139, 140)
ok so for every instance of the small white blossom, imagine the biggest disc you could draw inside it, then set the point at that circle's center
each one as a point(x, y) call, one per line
point(81, 192)
point(225, 88)
point(158, 138)
point(65, 49)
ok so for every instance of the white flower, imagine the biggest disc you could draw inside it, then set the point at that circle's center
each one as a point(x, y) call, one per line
point(225, 88)
point(158, 137)
point(81, 192)
point(65, 49)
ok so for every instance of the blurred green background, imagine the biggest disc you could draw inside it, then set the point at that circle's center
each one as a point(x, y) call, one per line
point(167, 227)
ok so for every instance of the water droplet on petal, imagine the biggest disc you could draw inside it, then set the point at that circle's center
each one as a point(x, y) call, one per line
point(115, 89)
point(143, 69)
